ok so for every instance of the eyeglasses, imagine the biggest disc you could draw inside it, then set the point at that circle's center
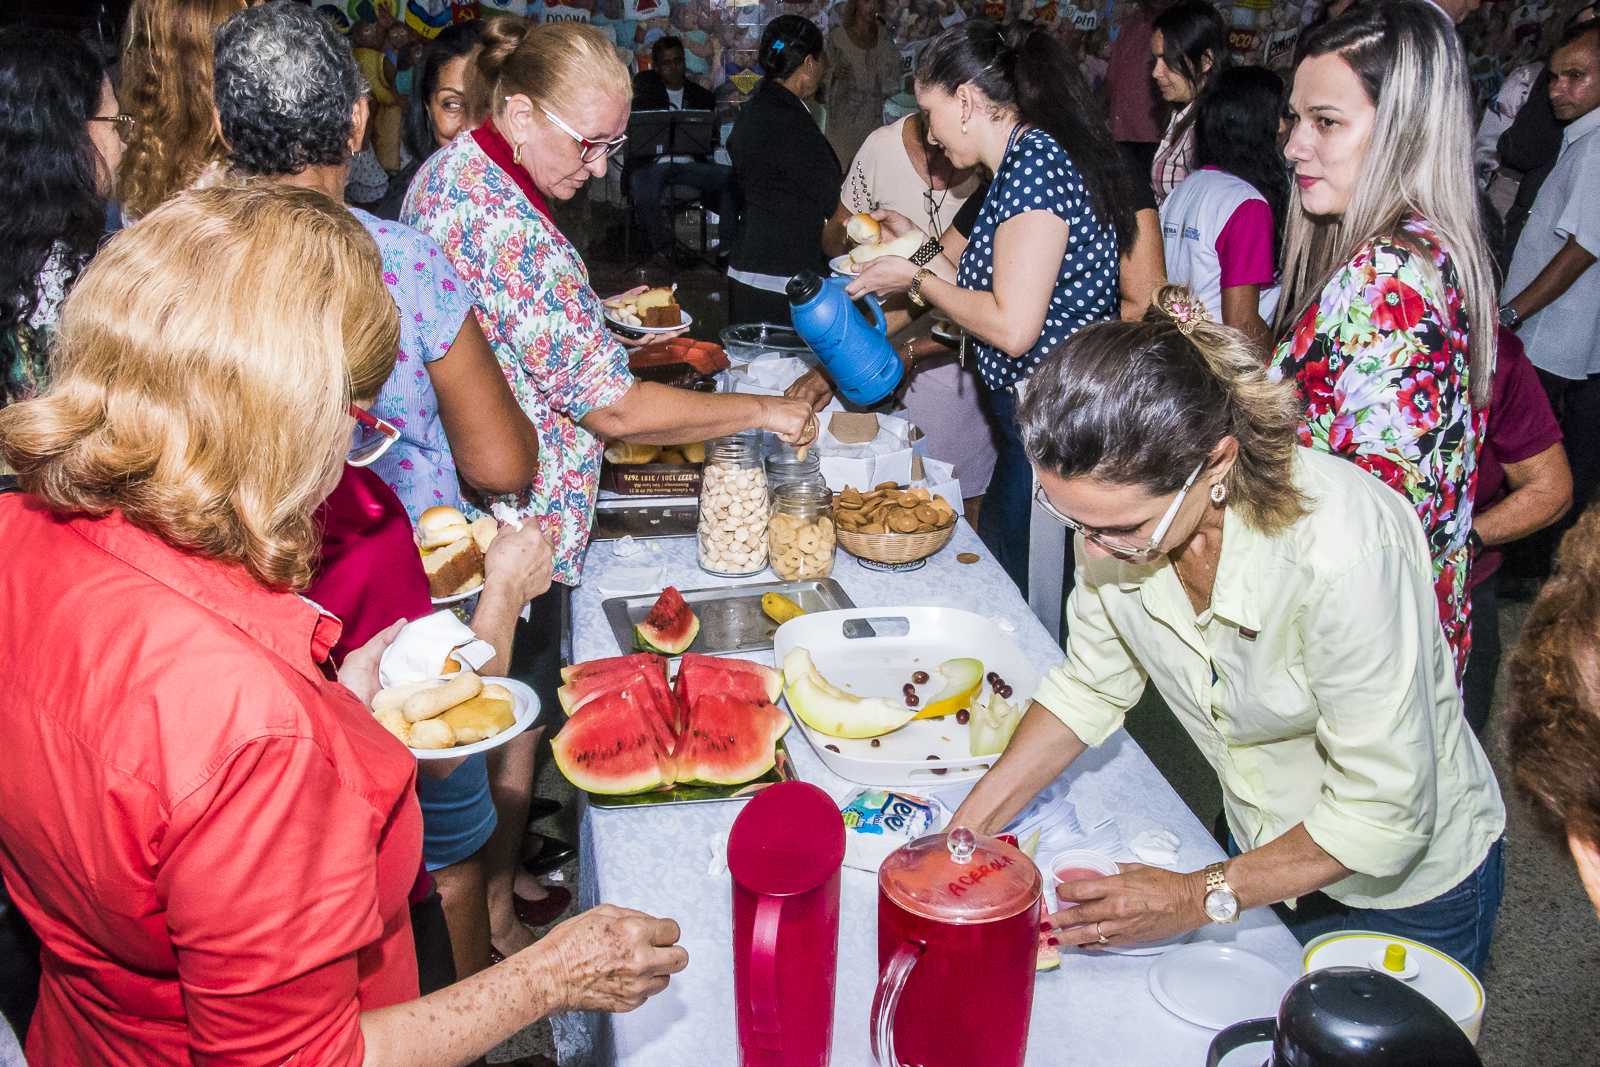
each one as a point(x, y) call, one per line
point(372, 438)
point(125, 124)
point(1128, 552)
point(589, 151)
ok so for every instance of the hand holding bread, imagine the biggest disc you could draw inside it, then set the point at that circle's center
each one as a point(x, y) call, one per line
point(895, 235)
point(441, 713)
point(519, 564)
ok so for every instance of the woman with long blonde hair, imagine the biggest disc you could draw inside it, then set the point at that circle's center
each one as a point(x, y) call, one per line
point(1388, 307)
point(250, 832)
point(166, 87)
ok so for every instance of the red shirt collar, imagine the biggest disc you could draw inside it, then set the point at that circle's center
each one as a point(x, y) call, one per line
point(499, 150)
point(294, 628)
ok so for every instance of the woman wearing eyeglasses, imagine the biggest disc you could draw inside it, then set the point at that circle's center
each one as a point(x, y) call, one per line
point(1281, 600)
point(214, 840)
point(61, 142)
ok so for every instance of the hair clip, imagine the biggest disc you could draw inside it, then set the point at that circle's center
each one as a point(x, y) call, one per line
point(777, 46)
point(1188, 314)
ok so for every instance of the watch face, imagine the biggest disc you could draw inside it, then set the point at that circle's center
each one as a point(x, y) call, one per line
point(1221, 905)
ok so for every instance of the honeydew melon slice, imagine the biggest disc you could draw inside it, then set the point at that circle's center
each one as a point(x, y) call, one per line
point(829, 710)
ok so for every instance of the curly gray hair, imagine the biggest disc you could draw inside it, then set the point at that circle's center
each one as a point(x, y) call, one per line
point(286, 86)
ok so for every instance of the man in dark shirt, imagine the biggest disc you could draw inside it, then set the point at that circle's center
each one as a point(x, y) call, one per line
point(664, 87)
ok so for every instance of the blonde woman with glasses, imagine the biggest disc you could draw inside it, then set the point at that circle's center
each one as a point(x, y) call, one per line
point(1281, 602)
point(1388, 307)
point(214, 839)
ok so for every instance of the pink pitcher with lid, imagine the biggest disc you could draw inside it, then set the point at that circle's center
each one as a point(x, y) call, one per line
point(958, 937)
point(785, 852)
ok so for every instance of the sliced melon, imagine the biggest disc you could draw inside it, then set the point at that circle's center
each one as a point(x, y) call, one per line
point(612, 746)
point(614, 663)
point(729, 740)
point(829, 710)
point(669, 628)
point(965, 678)
point(991, 727)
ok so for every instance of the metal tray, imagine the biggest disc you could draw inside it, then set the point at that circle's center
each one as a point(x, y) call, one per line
point(782, 771)
point(731, 619)
point(645, 520)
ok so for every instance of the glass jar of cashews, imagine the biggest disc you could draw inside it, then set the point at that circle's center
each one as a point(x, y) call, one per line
point(800, 537)
point(733, 506)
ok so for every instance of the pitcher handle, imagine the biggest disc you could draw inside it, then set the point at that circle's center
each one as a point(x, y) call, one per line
point(879, 321)
point(764, 973)
point(1238, 1035)
point(887, 999)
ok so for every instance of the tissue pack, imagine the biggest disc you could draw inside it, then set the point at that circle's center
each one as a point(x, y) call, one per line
point(876, 822)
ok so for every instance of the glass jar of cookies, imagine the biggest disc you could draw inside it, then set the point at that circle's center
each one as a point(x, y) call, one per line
point(733, 506)
point(800, 535)
point(785, 466)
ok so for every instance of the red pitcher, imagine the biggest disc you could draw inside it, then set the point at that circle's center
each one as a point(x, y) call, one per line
point(958, 937)
point(784, 852)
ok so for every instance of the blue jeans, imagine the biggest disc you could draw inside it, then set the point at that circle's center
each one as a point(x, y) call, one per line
point(1008, 503)
point(1458, 922)
point(715, 183)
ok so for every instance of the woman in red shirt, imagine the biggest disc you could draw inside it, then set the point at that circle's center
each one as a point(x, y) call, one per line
point(213, 841)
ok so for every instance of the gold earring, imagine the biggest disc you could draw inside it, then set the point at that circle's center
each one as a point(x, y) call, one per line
point(516, 155)
point(963, 126)
point(1219, 492)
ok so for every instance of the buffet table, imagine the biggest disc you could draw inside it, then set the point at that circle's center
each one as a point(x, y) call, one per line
point(1096, 1009)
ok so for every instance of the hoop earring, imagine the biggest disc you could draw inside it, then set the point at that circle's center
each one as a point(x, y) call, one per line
point(1219, 492)
point(516, 154)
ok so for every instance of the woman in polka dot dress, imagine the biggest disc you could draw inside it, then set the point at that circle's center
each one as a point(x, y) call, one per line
point(1042, 259)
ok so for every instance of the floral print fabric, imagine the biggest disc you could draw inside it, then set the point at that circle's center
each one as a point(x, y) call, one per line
point(1380, 361)
point(433, 303)
point(543, 320)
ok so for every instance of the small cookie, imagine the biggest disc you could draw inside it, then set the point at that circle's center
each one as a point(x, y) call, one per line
point(886, 485)
point(873, 528)
point(927, 513)
point(966, 557)
point(922, 494)
point(903, 522)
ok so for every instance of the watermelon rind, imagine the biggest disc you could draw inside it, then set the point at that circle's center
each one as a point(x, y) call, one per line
point(670, 628)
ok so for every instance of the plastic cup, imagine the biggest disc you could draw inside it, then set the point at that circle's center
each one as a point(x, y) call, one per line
point(1075, 865)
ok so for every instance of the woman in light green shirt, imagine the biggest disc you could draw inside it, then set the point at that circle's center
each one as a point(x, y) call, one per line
point(1282, 602)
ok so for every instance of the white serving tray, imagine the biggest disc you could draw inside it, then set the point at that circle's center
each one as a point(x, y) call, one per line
point(893, 643)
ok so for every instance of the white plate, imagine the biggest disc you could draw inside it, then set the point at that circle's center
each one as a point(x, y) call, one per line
point(526, 704)
point(688, 321)
point(841, 265)
point(1147, 948)
point(906, 640)
point(453, 597)
point(1217, 985)
point(945, 330)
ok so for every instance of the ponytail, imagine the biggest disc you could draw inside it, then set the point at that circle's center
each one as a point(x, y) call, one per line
point(1144, 403)
point(1026, 69)
point(547, 62)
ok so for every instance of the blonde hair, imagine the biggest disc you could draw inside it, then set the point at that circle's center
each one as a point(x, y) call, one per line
point(550, 63)
point(213, 414)
point(166, 85)
point(1144, 403)
point(1418, 162)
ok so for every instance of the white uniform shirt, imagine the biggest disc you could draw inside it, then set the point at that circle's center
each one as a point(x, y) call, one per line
point(1192, 221)
point(1564, 338)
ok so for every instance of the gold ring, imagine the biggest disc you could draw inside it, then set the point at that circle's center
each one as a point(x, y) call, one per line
point(1103, 938)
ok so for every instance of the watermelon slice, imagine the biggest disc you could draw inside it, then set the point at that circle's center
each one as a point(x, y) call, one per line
point(669, 628)
point(728, 740)
point(613, 746)
point(584, 688)
point(769, 678)
point(615, 663)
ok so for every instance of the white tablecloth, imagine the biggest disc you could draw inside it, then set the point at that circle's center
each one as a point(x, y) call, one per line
point(1094, 1010)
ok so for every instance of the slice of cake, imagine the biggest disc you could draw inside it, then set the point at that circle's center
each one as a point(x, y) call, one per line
point(659, 308)
point(455, 568)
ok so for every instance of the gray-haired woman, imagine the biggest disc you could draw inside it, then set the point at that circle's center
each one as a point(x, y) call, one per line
point(1282, 602)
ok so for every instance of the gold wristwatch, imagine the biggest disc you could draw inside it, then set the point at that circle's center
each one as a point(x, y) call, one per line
point(1221, 902)
point(914, 290)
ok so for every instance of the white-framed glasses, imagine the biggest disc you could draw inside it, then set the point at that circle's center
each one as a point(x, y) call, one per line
point(588, 151)
point(1129, 552)
point(372, 438)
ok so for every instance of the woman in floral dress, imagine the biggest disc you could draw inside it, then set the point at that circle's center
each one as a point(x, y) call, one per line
point(1388, 307)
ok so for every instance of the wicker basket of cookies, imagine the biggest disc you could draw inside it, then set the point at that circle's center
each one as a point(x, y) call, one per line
point(893, 525)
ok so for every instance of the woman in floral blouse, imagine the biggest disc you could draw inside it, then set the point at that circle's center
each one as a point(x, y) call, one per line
point(1388, 306)
point(559, 101)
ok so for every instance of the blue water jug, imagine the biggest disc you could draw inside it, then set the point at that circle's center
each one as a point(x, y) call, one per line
point(856, 354)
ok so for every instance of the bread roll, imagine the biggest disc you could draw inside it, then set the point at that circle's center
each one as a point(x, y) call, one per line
point(432, 733)
point(863, 229)
point(482, 717)
point(441, 525)
point(483, 531)
point(901, 246)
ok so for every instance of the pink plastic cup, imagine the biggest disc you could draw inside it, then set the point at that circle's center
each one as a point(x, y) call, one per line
point(1076, 865)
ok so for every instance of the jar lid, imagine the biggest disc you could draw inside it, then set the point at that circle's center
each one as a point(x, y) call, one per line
point(960, 877)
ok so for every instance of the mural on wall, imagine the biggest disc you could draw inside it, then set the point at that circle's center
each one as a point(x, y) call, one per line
point(720, 36)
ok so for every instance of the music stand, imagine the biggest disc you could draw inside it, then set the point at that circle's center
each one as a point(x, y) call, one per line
point(657, 135)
